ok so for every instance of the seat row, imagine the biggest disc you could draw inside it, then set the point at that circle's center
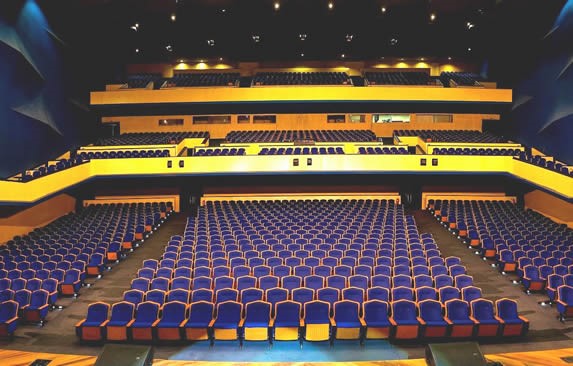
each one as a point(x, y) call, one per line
point(247, 292)
point(151, 138)
point(220, 151)
point(547, 163)
point(300, 135)
point(203, 79)
point(467, 136)
point(383, 150)
point(124, 154)
point(476, 151)
point(51, 167)
point(290, 321)
point(397, 78)
point(301, 151)
point(301, 78)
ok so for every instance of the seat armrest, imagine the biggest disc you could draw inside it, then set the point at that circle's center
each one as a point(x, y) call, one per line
point(332, 322)
point(272, 322)
point(421, 321)
point(242, 323)
point(104, 323)
point(212, 322)
point(79, 324)
point(448, 320)
point(155, 323)
point(392, 321)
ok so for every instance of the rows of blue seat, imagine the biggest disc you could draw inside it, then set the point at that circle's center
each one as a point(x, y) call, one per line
point(314, 320)
point(466, 136)
point(296, 135)
point(204, 79)
point(476, 151)
point(301, 78)
point(50, 168)
point(150, 138)
point(524, 242)
point(58, 257)
point(460, 78)
point(383, 150)
point(225, 151)
point(397, 78)
point(123, 154)
point(301, 151)
point(320, 251)
point(139, 81)
point(546, 162)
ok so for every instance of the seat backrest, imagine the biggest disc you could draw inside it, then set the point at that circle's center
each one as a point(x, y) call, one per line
point(147, 311)
point(201, 311)
point(375, 310)
point(430, 310)
point(258, 311)
point(174, 311)
point(8, 310)
point(457, 309)
point(482, 309)
point(229, 312)
point(403, 310)
point(39, 298)
point(565, 294)
point(97, 312)
point(287, 311)
point(346, 310)
point(506, 309)
point(317, 312)
point(122, 311)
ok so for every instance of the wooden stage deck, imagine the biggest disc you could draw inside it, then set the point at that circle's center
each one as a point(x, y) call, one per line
point(549, 358)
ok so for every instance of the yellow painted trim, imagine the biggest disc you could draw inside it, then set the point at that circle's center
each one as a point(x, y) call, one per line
point(300, 93)
point(317, 332)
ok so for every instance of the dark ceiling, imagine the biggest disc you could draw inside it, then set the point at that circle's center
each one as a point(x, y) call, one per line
point(359, 29)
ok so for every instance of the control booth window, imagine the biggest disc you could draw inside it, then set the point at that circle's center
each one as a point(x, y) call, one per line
point(357, 118)
point(171, 122)
point(390, 118)
point(211, 120)
point(336, 118)
point(244, 118)
point(265, 119)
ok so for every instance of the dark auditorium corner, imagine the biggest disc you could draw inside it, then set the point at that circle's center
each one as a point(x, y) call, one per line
point(340, 181)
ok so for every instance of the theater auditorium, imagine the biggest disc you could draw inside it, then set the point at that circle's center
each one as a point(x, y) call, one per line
point(265, 182)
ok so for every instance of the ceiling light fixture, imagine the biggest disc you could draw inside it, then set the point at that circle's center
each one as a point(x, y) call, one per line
point(432, 17)
point(302, 36)
point(211, 42)
point(137, 50)
point(330, 5)
point(383, 10)
point(169, 48)
point(470, 25)
point(302, 55)
point(135, 27)
point(393, 41)
point(256, 38)
point(173, 17)
point(349, 37)
point(277, 5)
point(343, 55)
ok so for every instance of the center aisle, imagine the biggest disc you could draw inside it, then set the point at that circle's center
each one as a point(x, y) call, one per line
point(545, 331)
point(58, 334)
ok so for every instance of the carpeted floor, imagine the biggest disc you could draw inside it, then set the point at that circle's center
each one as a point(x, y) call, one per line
point(58, 336)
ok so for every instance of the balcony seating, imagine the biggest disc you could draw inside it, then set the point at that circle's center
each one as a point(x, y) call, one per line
point(301, 135)
point(301, 78)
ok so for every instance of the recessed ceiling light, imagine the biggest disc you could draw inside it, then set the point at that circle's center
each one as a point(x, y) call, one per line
point(470, 25)
point(383, 9)
point(181, 61)
point(302, 36)
point(137, 50)
point(302, 55)
point(211, 42)
point(173, 17)
point(330, 5)
point(394, 41)
point(343, 55)
point(277, 5)
point(450, 58)
point(422, 59)
point(432, 17)
point(223, 10)
point(256, 38)
point(349, 37)
point(169, 48)
point(220, 59)
point(135, 27)
point(469, 49)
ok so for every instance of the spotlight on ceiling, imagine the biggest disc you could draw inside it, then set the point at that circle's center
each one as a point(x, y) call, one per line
point(343, 56)
point(211, 42)
point(349, 37)
point(302, 36)
point(393, 41)
point(173, 17)
point(277, 5)
point(450, 58)
point(302, 55)
point(470, 25)
point(469, 49)
point(256, 38)
point(330, 5)
point(220, 59)
point(169, 48)
point(181, 61)
point(135, 27)
point(223, 10)
point(432, 17)
point(383, 9)
point(137, 50)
